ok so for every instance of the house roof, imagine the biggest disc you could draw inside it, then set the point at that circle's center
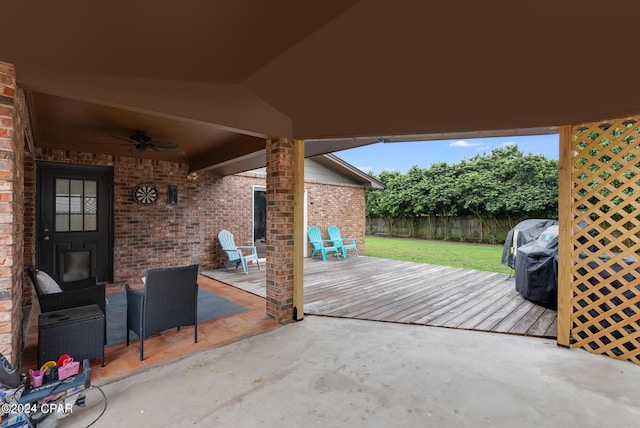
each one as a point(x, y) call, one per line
point(333, 164)
point(219, 77)
point(339, 166)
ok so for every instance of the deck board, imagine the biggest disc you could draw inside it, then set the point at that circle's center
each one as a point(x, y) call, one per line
point(376, 289)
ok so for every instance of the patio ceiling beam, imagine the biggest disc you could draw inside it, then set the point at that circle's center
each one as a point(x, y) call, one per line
point(242, 149)
point(228, 107)
point(321, 146)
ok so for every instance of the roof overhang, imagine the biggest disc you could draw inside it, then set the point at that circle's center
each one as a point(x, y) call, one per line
point(220, 77)
point(337, 165)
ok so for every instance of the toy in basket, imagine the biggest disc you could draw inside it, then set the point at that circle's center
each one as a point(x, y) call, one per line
point(68, 368)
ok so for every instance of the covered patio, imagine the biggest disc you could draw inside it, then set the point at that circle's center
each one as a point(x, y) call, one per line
point(362, 288)
point(328, 372)
point(122, 361)
point(246, 84)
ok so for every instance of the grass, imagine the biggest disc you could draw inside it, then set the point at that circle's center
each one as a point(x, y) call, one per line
point(444, 253)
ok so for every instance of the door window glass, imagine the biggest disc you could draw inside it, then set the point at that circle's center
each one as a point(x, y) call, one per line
point(76, 205)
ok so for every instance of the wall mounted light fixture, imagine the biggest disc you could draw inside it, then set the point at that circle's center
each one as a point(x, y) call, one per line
point(172, 194)
point(192, 176)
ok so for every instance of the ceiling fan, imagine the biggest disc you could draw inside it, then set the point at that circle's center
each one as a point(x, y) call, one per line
point(141, 141)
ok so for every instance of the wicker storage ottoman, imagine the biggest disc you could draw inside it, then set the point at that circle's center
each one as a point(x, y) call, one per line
point(78, 332)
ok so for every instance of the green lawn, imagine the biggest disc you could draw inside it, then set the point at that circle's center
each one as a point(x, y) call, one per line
point(443, 253)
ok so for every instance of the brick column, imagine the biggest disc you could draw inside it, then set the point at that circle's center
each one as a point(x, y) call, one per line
point(11, 223)
point(280, 206)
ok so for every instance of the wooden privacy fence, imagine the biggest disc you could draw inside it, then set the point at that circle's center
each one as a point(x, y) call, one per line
point(454, 228)
point(605, 288)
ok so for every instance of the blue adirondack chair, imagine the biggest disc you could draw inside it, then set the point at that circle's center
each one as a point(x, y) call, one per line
point(235, 253)
point(319, 244)
point(342, 244)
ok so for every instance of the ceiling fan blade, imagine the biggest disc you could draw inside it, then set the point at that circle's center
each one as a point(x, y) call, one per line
point(125, 138)
point(141, 141)
point(172, 150)
point(163, 144)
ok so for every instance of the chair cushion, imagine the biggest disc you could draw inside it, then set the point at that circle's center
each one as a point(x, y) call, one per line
point(46, 284)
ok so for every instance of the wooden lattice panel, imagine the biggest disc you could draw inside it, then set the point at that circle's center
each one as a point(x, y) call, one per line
point(606, 238)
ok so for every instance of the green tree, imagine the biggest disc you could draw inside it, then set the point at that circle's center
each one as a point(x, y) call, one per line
point(504, 184)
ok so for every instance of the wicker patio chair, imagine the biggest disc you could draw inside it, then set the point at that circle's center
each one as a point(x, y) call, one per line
point(74, 294)
point(168, 300)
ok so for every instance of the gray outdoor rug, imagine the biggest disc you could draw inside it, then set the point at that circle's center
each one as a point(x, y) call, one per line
point(210, 306)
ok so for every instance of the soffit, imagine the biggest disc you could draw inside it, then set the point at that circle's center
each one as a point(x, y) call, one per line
point(354, 72)
point(218, 41)
point(417, 67)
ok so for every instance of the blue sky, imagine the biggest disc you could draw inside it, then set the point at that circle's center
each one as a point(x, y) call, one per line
point(402, 156)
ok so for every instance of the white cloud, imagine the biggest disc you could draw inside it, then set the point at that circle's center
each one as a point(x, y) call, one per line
point(483, 147)
point(462, 143)
point(508, 143)
point(365, 169)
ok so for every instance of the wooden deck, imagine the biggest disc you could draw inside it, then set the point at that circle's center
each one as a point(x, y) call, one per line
point(413, 293)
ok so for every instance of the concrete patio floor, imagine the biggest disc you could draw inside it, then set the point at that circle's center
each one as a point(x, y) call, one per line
point(327, 372)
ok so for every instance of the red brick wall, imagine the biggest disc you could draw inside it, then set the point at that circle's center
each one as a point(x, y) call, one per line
point(280, 180)
point(162, 235)
point(233, 198)
point(339, 204)
point(13, 122)
point(29, 220)
point(157, 235)
point(334, 203)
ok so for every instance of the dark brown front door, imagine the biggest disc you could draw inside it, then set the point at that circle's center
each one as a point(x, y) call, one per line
point(74, 227)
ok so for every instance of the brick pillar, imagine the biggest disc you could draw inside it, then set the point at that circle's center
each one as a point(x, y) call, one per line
point(280, 206)
point(11, 224)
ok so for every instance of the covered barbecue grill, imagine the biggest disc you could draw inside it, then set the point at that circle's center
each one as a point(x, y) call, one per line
point(525, 232)
point(537, 269)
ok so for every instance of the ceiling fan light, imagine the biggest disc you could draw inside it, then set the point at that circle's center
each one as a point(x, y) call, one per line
point(140, 137)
